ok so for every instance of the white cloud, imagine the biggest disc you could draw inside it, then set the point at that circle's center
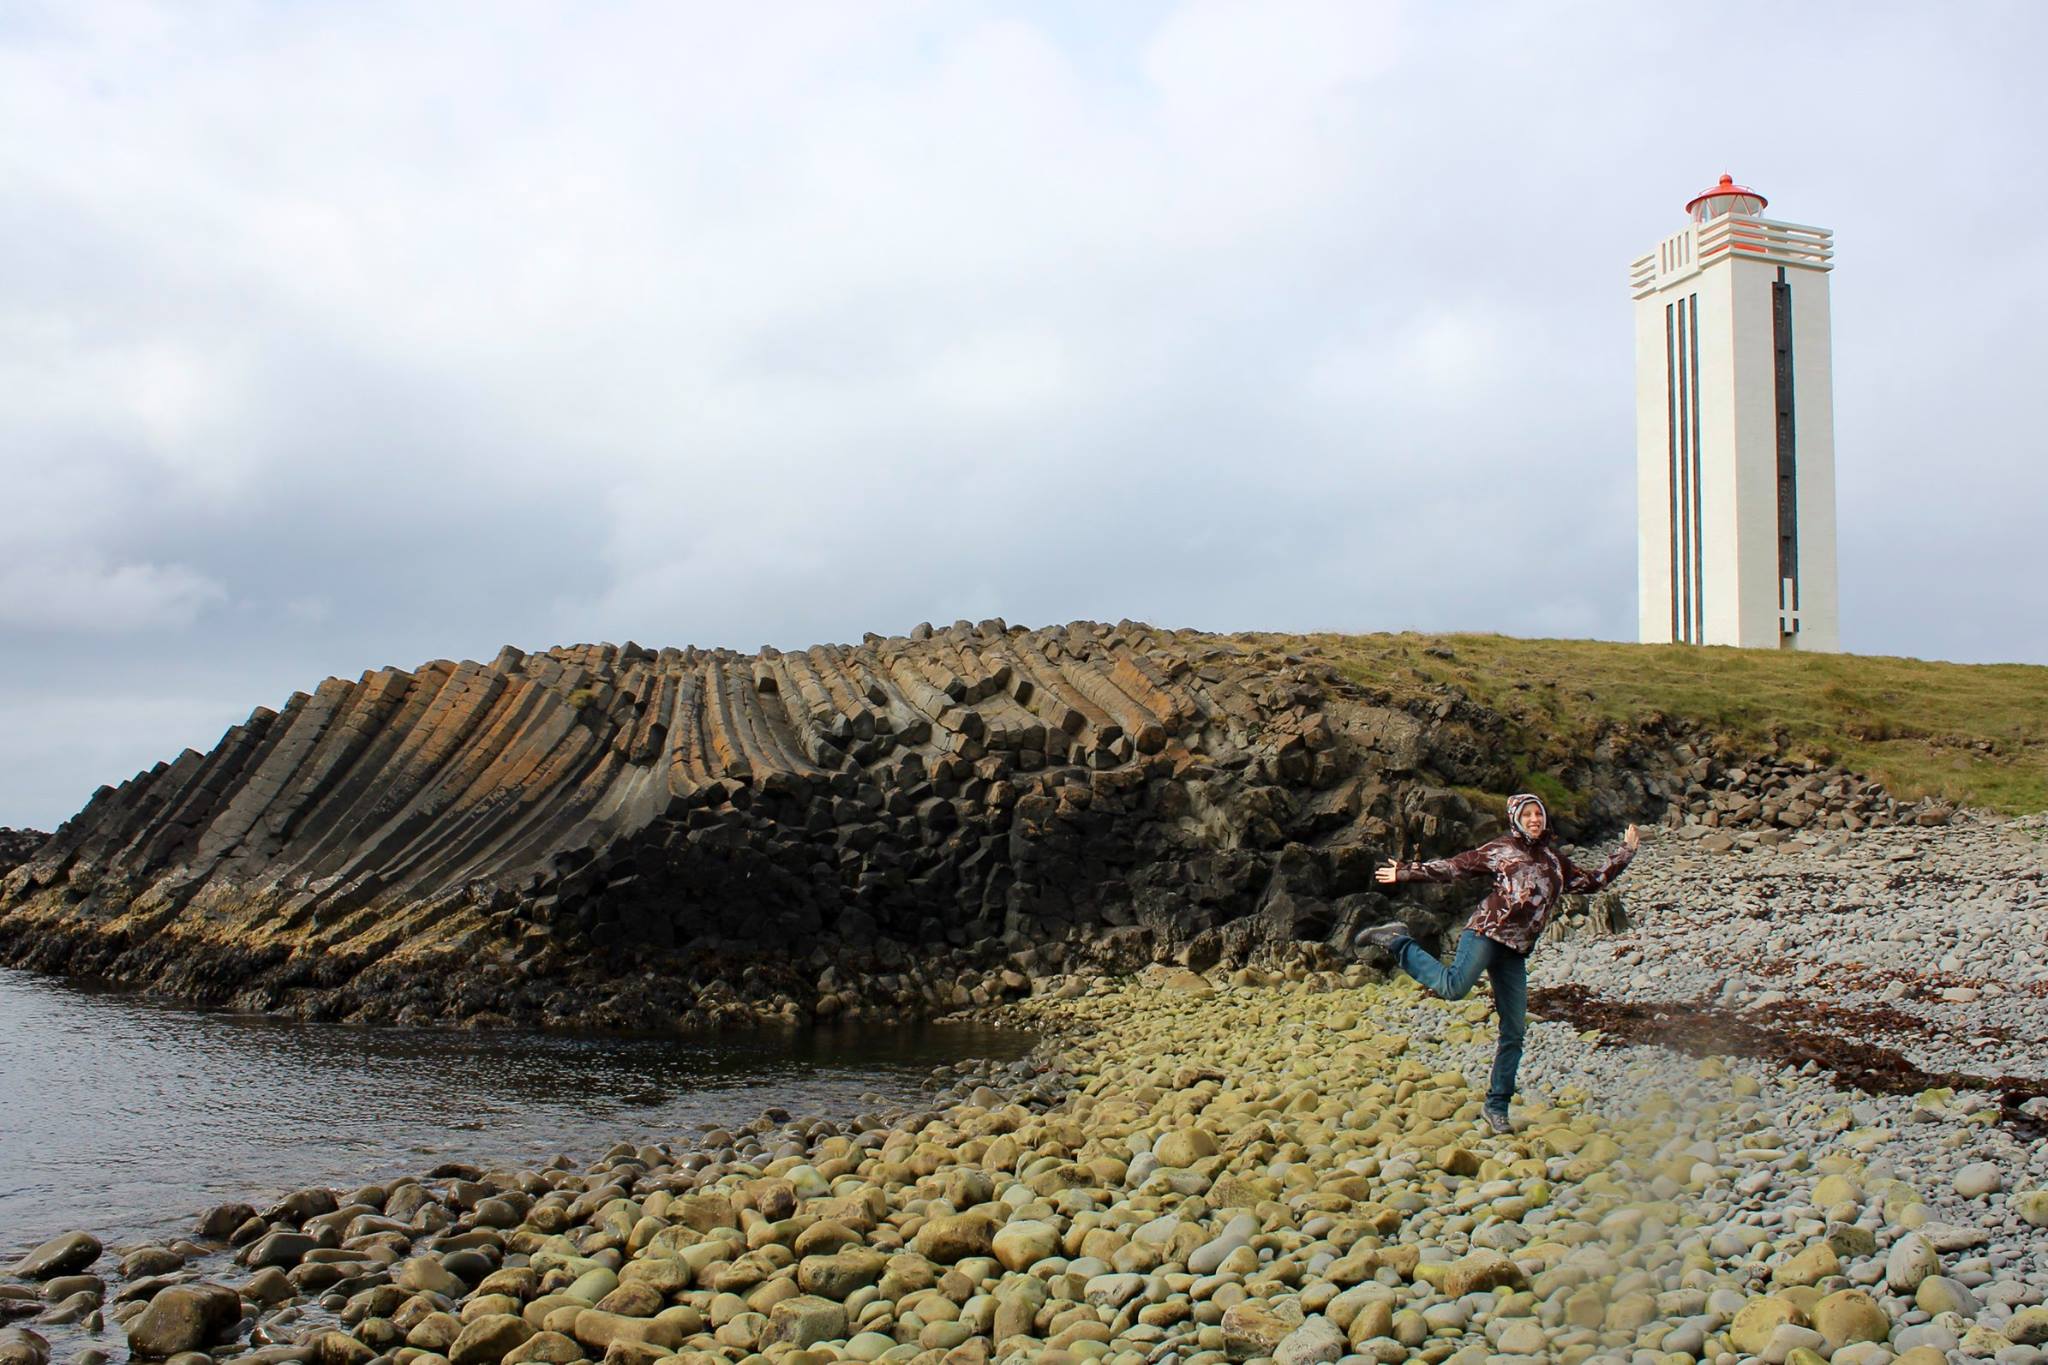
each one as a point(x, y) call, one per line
point(82, 594)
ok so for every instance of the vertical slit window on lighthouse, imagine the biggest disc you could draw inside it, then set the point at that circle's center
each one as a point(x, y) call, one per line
point(1699, 574)
point(1688, 561)
point(1686, 547)
point(1788, 460)
point(1671, 453)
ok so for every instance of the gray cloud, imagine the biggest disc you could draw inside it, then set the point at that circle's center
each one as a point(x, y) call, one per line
point(338, 337)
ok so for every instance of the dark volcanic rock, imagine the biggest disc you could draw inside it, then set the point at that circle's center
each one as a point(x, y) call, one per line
point(653, 840)
point(17, 846)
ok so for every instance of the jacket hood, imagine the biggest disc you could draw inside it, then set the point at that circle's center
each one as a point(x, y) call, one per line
point(1520, 802)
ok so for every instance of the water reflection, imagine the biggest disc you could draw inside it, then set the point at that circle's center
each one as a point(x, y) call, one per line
point(125, 1117)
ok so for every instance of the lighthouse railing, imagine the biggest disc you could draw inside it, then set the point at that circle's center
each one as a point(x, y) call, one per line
point(1731, 236)
point(1782, 243)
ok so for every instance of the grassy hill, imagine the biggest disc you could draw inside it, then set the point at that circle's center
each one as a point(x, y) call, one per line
point(1975, 734)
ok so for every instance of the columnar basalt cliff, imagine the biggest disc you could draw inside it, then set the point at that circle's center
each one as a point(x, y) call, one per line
point(659, 839)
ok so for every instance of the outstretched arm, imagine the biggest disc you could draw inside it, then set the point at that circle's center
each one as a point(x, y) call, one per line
point(1474, 862)
point(1579, 881)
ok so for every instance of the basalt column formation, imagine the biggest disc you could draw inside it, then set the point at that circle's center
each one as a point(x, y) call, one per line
point(942, 813)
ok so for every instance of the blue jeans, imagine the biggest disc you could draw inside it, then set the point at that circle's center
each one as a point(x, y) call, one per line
point(1509, 971)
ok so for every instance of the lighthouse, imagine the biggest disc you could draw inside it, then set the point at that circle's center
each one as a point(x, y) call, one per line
point(1735, 443)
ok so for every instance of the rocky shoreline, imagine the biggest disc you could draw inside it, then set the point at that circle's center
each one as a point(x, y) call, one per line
point(1192, 1168)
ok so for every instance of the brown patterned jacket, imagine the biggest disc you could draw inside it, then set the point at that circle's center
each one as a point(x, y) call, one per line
point(1528, 878)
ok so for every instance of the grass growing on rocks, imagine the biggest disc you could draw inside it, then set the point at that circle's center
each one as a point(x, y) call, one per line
point(1974, 734)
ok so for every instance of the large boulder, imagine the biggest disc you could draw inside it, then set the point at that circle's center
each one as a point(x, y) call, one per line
point(546, 1348)
point(703, 1212)
point(283, 1249)
point(599, 1330)
point(1757, 1320)
point(1253, 1328)
point(841, 1273)
point(1911, 1260)
point(823, 1237)
point(1184, 1147)
point(2032, 1206)
point(64, 1255)
point(184, 1317)
point(1940, 1294)
point(488, 1339)
point(268, 1286)
point(634, 1300)
point(804, 1321)
point(425, 1274)
point(1481, 1270)
point(1978, 1179)
point(1809, 1267)
point(1315, 1342)
point(217, 1224)
point(19, 1346)
point(954, 1237)
point(2028, 1327)
point(1849, 1316)
point(1023, 1242)
point(339, 1348)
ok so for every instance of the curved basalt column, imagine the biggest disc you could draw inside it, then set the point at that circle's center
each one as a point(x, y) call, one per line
point(462, 839)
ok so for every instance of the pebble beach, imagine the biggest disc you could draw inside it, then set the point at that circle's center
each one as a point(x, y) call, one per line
point(1278, 1163)
point(1931, 941)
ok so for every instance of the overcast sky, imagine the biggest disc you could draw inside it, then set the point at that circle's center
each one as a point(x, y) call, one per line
point(336, 335)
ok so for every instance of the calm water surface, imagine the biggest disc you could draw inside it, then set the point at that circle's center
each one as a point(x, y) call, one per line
point(126, 1117)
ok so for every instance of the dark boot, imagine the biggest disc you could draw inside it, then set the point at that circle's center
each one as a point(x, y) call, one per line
point(1389, 937)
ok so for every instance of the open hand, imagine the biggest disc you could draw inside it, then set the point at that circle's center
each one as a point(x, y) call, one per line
point(1387, 873)
point(1632, 839)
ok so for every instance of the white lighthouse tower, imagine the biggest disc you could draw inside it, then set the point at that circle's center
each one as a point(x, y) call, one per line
point(1735, 432)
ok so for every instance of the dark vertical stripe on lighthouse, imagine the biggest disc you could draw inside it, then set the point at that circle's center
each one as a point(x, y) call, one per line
point(1699, 583)
point(1671, 452)
point(1685, 546)
point(1788, 444)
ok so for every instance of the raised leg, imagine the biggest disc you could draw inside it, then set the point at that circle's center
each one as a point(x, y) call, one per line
point(1455, 981)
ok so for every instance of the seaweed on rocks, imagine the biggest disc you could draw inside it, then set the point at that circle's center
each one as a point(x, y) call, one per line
point(1833, 1038)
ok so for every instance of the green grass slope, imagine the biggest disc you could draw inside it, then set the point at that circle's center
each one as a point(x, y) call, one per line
point(1974, 734)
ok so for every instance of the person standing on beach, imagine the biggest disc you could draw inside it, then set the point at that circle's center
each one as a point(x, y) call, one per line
point(1530, 873)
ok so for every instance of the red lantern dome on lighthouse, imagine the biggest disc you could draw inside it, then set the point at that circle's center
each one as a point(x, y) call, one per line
point(1725, 197)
